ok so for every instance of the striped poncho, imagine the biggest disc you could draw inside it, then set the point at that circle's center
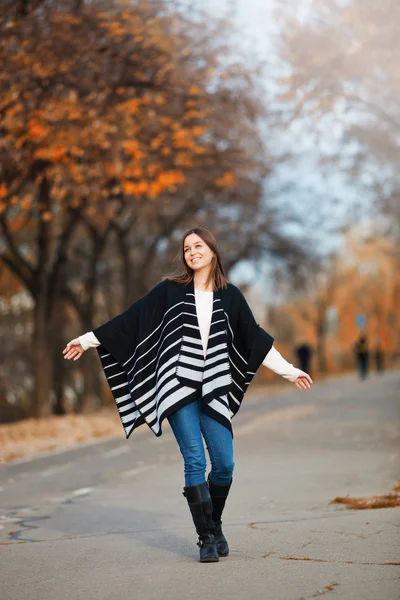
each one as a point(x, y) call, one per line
point(153, 358)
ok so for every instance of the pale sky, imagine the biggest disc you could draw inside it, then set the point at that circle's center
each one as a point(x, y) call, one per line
point(259, 33)
point(312, 189)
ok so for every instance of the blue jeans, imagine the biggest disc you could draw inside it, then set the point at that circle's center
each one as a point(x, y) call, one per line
point(189, 423)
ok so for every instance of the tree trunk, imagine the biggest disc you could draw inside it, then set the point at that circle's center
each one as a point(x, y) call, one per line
point(127, 274)
point(91, 398)
point(60, 370)
point(59, 408)
point(321, 347)
point(42, 360)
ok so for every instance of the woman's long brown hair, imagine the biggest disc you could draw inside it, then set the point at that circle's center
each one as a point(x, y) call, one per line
point(216, 276)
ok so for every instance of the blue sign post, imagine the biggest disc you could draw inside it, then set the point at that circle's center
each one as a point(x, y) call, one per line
point(361, 320)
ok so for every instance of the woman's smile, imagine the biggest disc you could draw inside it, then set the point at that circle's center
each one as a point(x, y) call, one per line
point(193, 246)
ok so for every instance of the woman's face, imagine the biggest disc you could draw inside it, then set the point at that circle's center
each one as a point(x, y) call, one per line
point(197, 254)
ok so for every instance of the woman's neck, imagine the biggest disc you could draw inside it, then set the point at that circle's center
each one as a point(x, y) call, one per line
point(200, 282)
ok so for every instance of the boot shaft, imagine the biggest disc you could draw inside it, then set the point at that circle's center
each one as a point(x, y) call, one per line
point(218, 494)
point(200, 505)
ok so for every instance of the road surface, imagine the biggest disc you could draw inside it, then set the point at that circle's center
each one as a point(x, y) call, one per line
point(107, 520)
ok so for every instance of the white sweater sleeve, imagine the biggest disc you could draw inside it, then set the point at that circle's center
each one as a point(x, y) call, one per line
point(275, 361)
point(88, 340)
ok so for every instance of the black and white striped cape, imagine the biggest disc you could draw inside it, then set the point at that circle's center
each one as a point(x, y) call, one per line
point(153, 358)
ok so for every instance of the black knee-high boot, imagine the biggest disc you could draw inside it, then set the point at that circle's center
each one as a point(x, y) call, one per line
point(200, 505)
point(219, 494)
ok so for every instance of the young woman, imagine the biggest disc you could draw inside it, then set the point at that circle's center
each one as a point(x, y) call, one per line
point(187, 352)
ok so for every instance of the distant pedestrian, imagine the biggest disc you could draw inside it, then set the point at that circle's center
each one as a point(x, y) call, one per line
point(379, 355)
point(304, 354)
point(362, 356)
point(187, 352)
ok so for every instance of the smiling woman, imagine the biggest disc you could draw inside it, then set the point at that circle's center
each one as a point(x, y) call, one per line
point(187, 351)
point(201, 261)
point(197, 254)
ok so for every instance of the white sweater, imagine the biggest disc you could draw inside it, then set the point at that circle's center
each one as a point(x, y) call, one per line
point(204, 304)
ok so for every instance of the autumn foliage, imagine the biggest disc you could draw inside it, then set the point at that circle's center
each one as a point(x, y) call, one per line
point(119, 122)
point(362, 278)
point(101, 103)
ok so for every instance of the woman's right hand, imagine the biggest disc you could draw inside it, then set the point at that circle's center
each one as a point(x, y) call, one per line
point(73, 350)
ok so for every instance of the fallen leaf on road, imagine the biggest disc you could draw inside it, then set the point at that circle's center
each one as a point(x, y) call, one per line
point(11, 543)
point(327, 588)
point(381, 501)
point(301, 558)
point(331, 586)
point(336, 562)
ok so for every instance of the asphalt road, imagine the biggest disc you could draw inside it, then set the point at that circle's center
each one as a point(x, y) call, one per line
point(108, 521)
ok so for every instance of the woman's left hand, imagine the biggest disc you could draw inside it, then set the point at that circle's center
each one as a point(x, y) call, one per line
point(304, 381)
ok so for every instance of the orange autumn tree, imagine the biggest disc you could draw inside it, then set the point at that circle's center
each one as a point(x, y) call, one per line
point(90, 89)
point(374, 290)
point(362, 278)
point(99, 107)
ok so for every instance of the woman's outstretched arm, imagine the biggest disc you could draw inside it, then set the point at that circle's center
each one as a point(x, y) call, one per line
point(118, 330)
point(275, 361)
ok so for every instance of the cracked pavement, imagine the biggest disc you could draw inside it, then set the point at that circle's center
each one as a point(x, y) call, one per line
point(107, 520)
